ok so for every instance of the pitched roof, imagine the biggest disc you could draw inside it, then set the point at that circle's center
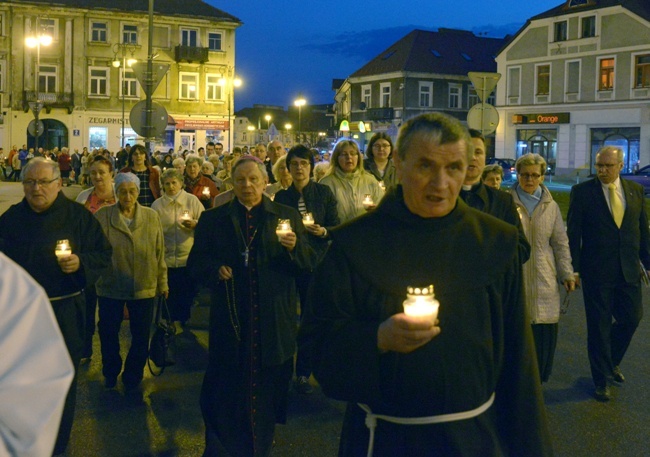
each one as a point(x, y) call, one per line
point(192, 8)
point(447, 51)
point(640, 7)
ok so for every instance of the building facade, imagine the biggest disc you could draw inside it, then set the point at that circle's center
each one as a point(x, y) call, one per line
point(88, 83)
point(576, 78)
point(424, 71)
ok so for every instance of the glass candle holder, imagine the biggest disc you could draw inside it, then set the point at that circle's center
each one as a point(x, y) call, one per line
point(421, 304)
point(367, 201)
point(63, 249)
point(283, 228)
point(308, 219)
point(186, 216)
point(206, 191)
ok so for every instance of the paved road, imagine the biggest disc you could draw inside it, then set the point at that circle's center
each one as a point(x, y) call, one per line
point(165, 419)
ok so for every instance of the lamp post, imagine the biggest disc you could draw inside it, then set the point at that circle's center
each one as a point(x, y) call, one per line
point(287, 127)
point(117, 63)
point(36, 41)
point(251, 129)
point(300, 102)
point(230, 83)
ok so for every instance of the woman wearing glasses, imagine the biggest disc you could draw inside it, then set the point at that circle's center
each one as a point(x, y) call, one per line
point(379, 162)
point(350, 183)
point(550, 259)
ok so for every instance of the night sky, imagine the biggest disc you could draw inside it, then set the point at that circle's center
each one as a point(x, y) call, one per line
point(298, 46)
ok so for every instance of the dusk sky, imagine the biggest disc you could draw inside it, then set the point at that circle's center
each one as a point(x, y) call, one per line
point(298, 46)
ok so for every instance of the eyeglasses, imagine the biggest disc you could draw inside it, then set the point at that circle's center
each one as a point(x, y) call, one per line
point(296, 164)
point(530, 175)
point(40, 182)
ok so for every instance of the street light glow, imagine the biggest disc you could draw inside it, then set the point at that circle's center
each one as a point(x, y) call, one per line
point(300, 102)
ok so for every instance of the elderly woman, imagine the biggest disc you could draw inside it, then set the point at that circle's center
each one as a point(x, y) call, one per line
point(138, 164)
point(350, 183)
point(492, 176)
point(179, 212)
point(195, 183)
point(179, 164)
point(379, 162)
point(550, 258)
point(101, 194)
point(138, 276)
point(307, 196)
point(281, 175)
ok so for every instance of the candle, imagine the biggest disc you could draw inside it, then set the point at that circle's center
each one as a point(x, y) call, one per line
point(284, 227)
point(308, 219)
point(367, 201)
point(420, 304)
point(63, 249)
point(186, 216)
point(382, 185)
point(206, 191)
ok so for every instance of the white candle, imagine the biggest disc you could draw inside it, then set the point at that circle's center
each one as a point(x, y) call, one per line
point(185, 216)
point(63, 249)
point(367, 201)
point(283, 228)
point(420, 304)
point(308, 219)
point(206, 191)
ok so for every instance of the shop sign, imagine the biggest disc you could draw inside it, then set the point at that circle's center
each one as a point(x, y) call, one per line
point(201, 124)
point(542, 118)
point(107, 120)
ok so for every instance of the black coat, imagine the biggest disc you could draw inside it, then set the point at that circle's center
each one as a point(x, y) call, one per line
point(598, 247)
point(218, 242)
point(320, 202)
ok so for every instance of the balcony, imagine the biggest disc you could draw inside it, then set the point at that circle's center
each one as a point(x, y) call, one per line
point(379, 114)
point(190, 54)
point(50, 100)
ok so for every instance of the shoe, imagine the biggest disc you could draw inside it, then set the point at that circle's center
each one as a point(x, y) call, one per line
point(110, 383)
point(302, 385)
point(602, 393)
point(618, 375)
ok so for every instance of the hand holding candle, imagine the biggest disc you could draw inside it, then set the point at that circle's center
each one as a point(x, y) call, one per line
point(285, 234)
point(68, 261)
point(206, 192)
point(420, 304)
point(62, 249)
point(367, 202)
point(307, 219)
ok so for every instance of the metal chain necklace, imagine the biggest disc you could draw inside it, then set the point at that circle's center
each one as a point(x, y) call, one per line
point(232, 310)
point(247, 246)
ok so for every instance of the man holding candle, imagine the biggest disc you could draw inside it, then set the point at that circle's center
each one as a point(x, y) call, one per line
point(251, 271)
point(470, 380)
point(30, 231)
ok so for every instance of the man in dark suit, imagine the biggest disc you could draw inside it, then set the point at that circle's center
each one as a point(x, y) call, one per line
point(608, 235)
point(491, 201)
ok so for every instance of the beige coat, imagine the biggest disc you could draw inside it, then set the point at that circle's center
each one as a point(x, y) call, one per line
point(550, 258)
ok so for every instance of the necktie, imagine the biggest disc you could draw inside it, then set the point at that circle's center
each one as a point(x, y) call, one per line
point(616, 204)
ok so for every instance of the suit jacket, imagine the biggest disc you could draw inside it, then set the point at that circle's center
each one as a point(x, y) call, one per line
point(501, 205)
point(600, 249)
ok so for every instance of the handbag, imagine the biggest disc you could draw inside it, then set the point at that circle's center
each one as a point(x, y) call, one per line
point(161, 343)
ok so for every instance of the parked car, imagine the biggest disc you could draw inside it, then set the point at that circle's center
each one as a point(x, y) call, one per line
point(642, 176)
point(508, 165)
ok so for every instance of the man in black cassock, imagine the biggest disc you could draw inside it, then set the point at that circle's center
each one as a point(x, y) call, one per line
point(251, 272)
point(492, 201)
point(471, 378)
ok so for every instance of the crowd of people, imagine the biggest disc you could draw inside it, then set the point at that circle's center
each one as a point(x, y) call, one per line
point(271, 240)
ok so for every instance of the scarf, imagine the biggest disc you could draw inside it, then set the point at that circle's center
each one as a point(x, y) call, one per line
point(530, 201)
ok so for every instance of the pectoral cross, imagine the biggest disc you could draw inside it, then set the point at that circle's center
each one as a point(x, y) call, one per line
point(245, 255)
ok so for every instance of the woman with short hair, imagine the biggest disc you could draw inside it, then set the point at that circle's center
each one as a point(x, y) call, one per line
point(138, 164)
point(196, 183)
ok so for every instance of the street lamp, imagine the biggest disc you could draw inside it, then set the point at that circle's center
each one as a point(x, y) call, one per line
point(300, 102)
point(267, 118)
point(251, 129)
point(287, 127)
point(230, 84)
point(36, 41)
point(117, 63)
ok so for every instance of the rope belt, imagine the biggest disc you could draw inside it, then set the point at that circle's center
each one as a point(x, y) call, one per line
point(63, 297)
point(371, 419)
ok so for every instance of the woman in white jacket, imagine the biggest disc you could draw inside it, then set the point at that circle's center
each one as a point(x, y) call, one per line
point(550, 258)
point(179, 213)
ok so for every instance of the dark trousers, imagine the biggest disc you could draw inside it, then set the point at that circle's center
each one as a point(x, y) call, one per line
point(607, 341)
point(111, 313)
point(91, 309)
point(303, 359)
point(181, 293)
point(69, 314)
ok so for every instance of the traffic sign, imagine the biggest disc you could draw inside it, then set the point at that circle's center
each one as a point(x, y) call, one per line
point(158, 72)
point(138, 119)
point(31, 128)
point(36, 107)
point(483, 117)
point(484, 83)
